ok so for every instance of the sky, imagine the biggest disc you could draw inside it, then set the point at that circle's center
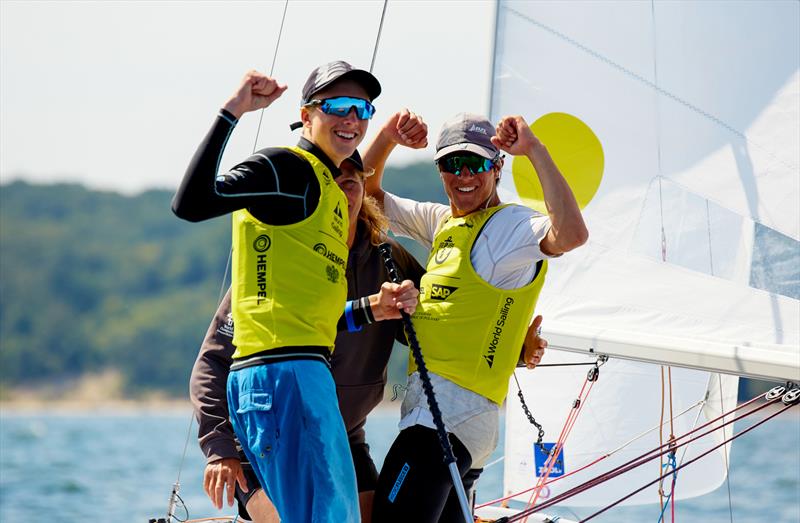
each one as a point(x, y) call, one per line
point(117, 95)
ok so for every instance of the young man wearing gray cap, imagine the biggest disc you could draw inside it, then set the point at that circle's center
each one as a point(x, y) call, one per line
point(485, 271)
point(290, 232)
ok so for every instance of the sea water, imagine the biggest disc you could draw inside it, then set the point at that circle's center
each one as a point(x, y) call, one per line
point(106, 466)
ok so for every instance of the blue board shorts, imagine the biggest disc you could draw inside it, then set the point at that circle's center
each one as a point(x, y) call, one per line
point(287, 418)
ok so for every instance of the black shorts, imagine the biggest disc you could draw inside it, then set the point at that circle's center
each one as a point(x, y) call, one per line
point(366, 476)
point(415, 484)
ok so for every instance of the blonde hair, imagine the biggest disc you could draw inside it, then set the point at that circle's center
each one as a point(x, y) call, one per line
point(371, 214)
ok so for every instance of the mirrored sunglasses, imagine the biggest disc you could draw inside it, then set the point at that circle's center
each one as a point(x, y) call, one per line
point(455, 164)
point(341, 105)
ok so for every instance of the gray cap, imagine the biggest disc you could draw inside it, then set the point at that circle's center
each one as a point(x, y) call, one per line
point(467, 132)
point(325, 75)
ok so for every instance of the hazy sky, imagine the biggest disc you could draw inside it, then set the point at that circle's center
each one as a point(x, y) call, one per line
point(117, 95)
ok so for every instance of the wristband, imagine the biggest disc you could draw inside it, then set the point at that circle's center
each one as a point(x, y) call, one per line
point(348, 316)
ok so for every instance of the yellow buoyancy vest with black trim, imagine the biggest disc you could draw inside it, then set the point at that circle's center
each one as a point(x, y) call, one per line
point(471, 332)
point(288, 283)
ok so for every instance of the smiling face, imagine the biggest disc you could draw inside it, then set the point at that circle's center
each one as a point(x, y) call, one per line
point(337, 136)
point(471, 192)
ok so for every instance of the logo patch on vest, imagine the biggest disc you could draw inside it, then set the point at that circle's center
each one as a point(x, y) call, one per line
point(441, 292)
point(262, 243)
point(498, 331)
point(333, 274)
point(227, 328)
point(330, 255)
point(443, 251)
point(337, 224)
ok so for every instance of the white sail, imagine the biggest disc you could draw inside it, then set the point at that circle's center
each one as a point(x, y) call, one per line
point(699, 128)
point(693, 258)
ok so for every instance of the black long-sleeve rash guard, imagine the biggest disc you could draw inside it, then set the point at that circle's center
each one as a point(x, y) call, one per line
point(275, 185)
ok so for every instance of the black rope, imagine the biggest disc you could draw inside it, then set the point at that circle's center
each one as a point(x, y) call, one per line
point(559, 364)
point(386, 253)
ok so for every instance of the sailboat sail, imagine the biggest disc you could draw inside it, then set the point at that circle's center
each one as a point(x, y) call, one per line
point(693, 252)
point(708, 152)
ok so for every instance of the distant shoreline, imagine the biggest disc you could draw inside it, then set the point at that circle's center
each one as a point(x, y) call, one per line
point(106, 407)
point(162, 406)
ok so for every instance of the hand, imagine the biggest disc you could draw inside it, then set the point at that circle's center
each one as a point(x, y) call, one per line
point(256, 91)
point(534, 345)
point(406, 128)
point(515, 137)
point(386, 305)
point(220, 474)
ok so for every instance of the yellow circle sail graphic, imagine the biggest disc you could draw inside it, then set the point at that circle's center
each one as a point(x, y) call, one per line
point(575, 149)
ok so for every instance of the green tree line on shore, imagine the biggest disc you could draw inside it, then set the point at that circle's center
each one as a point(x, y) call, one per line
point(93, 280)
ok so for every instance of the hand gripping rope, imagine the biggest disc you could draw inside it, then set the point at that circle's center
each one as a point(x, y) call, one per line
point(386, 253)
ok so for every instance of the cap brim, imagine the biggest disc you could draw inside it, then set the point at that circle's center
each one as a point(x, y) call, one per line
point(356, 162)
point(468, 147)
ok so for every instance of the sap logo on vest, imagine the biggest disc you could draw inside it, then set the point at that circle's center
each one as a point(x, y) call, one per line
point(444, 250)
point(441, 292)
point(262, 243)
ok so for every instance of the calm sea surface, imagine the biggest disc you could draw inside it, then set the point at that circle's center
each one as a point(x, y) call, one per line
point(76, 468)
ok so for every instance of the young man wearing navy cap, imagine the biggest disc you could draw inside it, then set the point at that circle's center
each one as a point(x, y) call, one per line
point(290, 232)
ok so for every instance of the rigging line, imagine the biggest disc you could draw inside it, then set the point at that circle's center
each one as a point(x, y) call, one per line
point(378, 37)
point(725, 442)
point(639, 78)
point(638, 461)
point(385, 250)
point(561, 364)
point(568, 425)
point(604, 456)
point(227, 264)
point(725, 452)
point(530, 417)
point(271, 70)
point(658, 131)
point(695, 428)
point(661, 436)
point(225, 276)
point(710, 250)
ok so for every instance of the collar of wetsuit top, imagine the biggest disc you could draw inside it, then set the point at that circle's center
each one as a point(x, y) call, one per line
point(308, 146)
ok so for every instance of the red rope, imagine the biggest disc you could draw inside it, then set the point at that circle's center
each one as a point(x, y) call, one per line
point(565, 431)
point(636, 462)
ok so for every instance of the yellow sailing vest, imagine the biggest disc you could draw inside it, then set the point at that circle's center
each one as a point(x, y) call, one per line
point(471, 332)
point(288, 283)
